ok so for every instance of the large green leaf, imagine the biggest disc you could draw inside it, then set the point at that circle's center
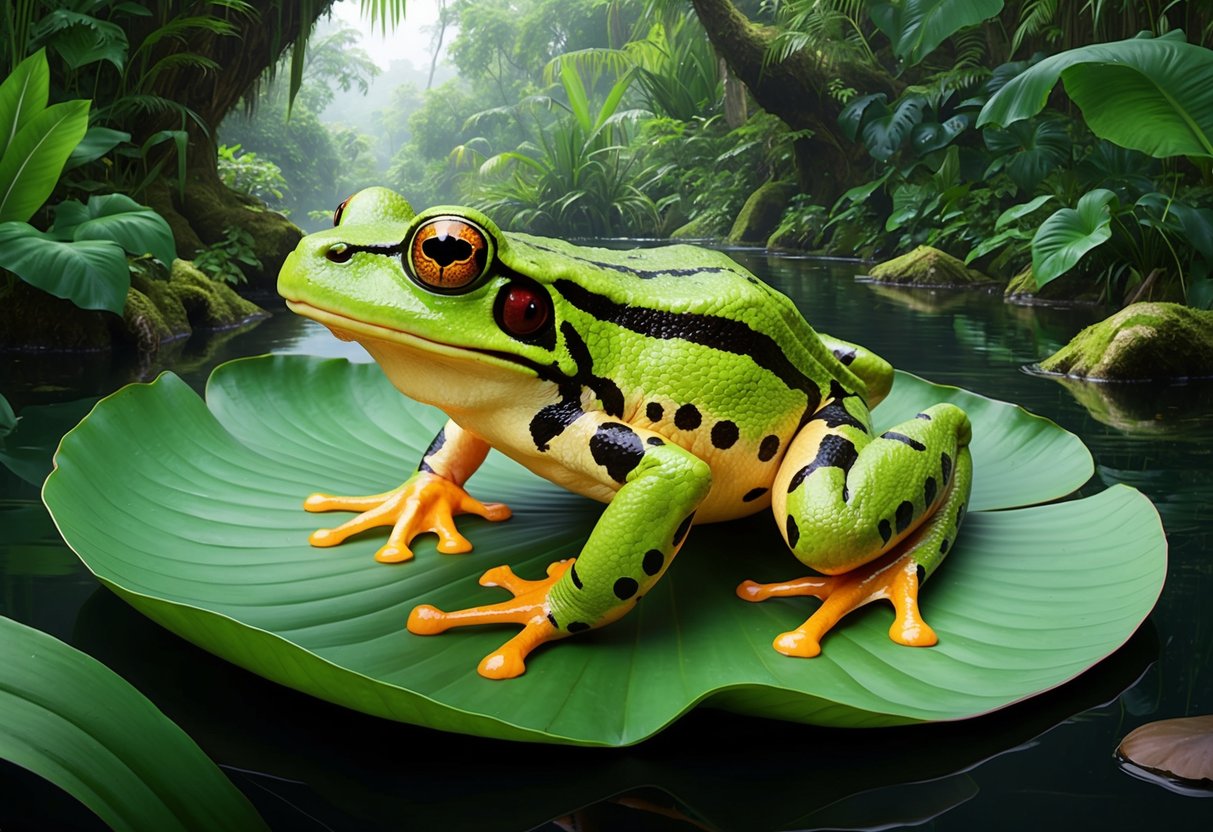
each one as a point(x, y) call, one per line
point(22, 96)
point(73, 721)
point(35, 157)
point(92, 274)
point(192, 513)
point(1150, 94)
point(1069, 233)
point(117, 217)
point(917, 27)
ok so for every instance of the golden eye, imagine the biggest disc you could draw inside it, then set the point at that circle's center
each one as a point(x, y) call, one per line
point(448, 254)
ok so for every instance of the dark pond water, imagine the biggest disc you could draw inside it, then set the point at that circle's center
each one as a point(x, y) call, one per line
point(1045, 763)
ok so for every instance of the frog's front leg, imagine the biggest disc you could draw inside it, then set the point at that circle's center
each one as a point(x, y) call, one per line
point(659, 485)
point(878, 513)
point(426, 502)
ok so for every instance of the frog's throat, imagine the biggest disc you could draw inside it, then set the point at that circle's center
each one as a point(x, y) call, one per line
point(352, 328)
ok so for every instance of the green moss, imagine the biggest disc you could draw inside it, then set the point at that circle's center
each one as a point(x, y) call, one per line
point(210, 208)
point(1067, 289)
point(1142, 341)
point(157, 310)
point(703, 227)
point(761, 213)
point(928, 267)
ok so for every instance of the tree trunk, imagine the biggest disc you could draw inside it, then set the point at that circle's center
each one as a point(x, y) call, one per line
point(796, 90)
point(201, 214)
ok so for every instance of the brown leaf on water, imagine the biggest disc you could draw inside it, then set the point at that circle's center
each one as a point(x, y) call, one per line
point(1180, 747)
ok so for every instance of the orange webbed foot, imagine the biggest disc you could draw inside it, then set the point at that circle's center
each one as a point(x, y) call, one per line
point(891, 578)
point(426, 503)
point(529, 607)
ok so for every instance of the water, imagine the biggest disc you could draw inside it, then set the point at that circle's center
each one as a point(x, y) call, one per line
point(307, 765)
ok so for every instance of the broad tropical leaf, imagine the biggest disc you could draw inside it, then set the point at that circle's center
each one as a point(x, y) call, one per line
point(1149, 94)
point(117, 217)
point(35, 157)
point(1066, 236)
point(22, 96)
point(90, 273)
point(73, 721)
point(96, 143)
point(917, 27)
point(192, 513)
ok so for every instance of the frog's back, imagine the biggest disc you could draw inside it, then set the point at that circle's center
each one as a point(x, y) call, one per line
point(687, 293)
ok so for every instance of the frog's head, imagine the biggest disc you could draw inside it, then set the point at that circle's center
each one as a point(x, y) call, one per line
point(438, 285)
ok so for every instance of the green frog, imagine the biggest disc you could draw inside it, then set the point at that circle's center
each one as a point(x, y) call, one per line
point(669, 383)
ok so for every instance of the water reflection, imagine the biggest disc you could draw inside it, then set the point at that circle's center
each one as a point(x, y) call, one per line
point(307, 764)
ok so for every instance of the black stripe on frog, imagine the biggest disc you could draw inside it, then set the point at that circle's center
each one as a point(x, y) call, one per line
point(551, 420)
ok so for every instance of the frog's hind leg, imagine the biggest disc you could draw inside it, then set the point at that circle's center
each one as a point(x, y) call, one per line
point(876, 512)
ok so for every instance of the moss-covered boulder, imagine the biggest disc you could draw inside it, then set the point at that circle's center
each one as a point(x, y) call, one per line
point(1065, 290)
point(208, 209)
point(1140, 342)
point(158, 309)
point(928, 267)
point(703, 227)
point(761, 213)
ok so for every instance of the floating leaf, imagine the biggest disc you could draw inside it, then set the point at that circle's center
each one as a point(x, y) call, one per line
point(1180, 747)
point(191, 512)
point(73, 721)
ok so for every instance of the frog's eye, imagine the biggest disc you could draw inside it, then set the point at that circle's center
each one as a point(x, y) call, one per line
point(447, 254)
point(523, 309)
point(340, 210)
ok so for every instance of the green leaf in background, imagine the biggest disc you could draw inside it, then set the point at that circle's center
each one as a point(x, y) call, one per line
point(90, 273)
point(68, 718)
point(884, 129)
point(1066, 236)
point(917, 27)
point(117, 217)
point(82, 39)
point(22, 96)
point(8, 419)
point(97, 142)
point(1029, 151)
point(35, 157)
point(1149, 94)
point(192, 513)
point(1022, 210)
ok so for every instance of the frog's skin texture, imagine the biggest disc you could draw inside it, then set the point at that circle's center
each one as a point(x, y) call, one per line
point(669, 383)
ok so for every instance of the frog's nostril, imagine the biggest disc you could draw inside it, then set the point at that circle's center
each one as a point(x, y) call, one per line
point(338, 253)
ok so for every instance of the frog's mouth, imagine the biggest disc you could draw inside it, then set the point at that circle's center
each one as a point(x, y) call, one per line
point(353, 329)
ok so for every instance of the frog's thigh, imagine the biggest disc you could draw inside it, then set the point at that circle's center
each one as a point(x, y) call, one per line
point(843, 497)
point(659, 487)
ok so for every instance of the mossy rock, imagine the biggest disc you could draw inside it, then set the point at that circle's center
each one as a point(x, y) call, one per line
point(1065, 290)
point(1144, 341)
point(928, 267)
point(209, 208)
point(157, 310)
point(761, 213)
point(703, 227)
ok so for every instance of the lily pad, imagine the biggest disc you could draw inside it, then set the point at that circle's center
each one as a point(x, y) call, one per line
point(191, 511)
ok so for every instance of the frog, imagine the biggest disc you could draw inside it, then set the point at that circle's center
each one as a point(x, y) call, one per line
point(669, 383)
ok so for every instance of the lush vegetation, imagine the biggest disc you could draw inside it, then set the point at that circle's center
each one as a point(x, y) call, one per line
point(619, 118)
point(1015, 135)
